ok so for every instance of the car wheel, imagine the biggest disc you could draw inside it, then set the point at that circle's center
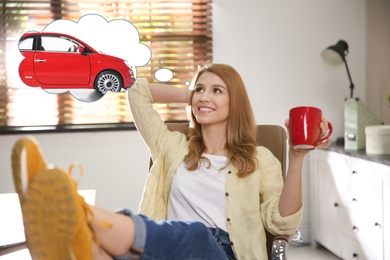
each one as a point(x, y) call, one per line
point(108, 81)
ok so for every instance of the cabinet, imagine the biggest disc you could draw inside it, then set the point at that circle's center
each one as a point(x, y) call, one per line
point(350, 200)
point(386, 216)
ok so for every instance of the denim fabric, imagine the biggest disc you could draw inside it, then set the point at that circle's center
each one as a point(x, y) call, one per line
point(140, 236)
point(222, 238)
point(172, 240)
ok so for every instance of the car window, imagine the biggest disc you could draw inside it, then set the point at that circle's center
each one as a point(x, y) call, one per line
point(26, 44)
point(57, 44)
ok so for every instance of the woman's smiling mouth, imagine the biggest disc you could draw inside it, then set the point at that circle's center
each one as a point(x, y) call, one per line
point(206, 109)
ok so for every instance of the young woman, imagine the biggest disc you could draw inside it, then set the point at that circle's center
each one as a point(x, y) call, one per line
point(212, 195)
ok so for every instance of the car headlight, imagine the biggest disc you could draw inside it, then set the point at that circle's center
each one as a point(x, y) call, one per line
point(131, 72)
point(128, 64)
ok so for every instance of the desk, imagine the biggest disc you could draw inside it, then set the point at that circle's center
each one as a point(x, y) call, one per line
point(12, 239)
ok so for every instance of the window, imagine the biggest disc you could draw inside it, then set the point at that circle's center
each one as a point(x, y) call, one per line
point(56, 44)
point(178, 32)
point(27, 44)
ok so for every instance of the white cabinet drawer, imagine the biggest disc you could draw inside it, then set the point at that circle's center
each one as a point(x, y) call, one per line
point(365, 231)
point(351, 250)
point(350, 205)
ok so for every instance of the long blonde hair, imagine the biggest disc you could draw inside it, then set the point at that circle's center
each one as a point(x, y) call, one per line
point(241, 125)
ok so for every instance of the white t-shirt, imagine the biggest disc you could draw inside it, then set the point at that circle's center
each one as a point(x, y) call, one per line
point(200, 195)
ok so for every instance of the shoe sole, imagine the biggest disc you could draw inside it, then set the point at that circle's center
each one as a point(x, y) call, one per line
point(49, 216)
point(25, 149)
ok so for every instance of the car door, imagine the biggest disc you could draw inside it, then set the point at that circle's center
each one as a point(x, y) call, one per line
point(26, 67)
point(58, 65)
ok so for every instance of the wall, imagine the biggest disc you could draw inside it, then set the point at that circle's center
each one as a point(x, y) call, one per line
point(276, 47)
point(378, 58)
point(115, 163)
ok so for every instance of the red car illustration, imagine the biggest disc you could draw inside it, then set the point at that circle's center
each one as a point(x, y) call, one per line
point(60, 61)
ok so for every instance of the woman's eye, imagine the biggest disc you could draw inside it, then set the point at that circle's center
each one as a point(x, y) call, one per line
point(217, 90)
point(198, 89)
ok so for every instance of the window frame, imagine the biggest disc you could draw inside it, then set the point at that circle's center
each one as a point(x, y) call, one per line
point(66, 9)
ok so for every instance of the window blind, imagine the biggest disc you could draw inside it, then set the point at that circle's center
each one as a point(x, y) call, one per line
point(178, 32)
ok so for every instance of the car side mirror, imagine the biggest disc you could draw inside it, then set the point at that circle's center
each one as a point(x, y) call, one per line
point(82, 50)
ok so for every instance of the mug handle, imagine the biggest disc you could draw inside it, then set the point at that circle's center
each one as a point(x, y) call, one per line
point(322, 139)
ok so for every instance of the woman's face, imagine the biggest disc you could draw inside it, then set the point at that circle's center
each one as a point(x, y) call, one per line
point(210, 102)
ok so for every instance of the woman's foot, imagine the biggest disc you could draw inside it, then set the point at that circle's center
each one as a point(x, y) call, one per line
point(56, 218)
point(27, 161)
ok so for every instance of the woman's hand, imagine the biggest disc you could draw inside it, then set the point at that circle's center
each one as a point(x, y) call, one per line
point(324, 130)
point(325, 144)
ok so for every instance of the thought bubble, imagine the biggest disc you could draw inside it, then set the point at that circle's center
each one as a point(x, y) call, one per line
point(163, 75)
point(117, 38)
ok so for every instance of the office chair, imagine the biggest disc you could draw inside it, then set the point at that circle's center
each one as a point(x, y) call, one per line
point(274, 138)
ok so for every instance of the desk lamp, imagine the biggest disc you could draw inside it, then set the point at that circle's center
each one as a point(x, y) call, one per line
point(335, 55)
point(356, 114)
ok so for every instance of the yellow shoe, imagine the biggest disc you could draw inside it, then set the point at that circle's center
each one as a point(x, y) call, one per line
point(27, 161)
point(56, 218)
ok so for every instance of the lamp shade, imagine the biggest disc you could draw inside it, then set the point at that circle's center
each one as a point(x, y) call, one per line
point(335, 54)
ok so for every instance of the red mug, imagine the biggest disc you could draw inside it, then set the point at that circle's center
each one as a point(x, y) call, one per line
point(304, 128)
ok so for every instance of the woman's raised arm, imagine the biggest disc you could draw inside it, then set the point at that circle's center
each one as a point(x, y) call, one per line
point(291, 197)
point(163, 93)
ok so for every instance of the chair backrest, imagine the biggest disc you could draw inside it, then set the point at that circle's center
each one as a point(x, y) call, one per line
point(273, 137)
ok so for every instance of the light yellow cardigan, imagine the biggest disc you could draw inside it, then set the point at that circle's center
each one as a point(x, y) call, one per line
point(251, 202)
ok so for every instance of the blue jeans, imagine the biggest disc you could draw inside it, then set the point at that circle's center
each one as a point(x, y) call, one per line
point(171, 240)
point(222, 238)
